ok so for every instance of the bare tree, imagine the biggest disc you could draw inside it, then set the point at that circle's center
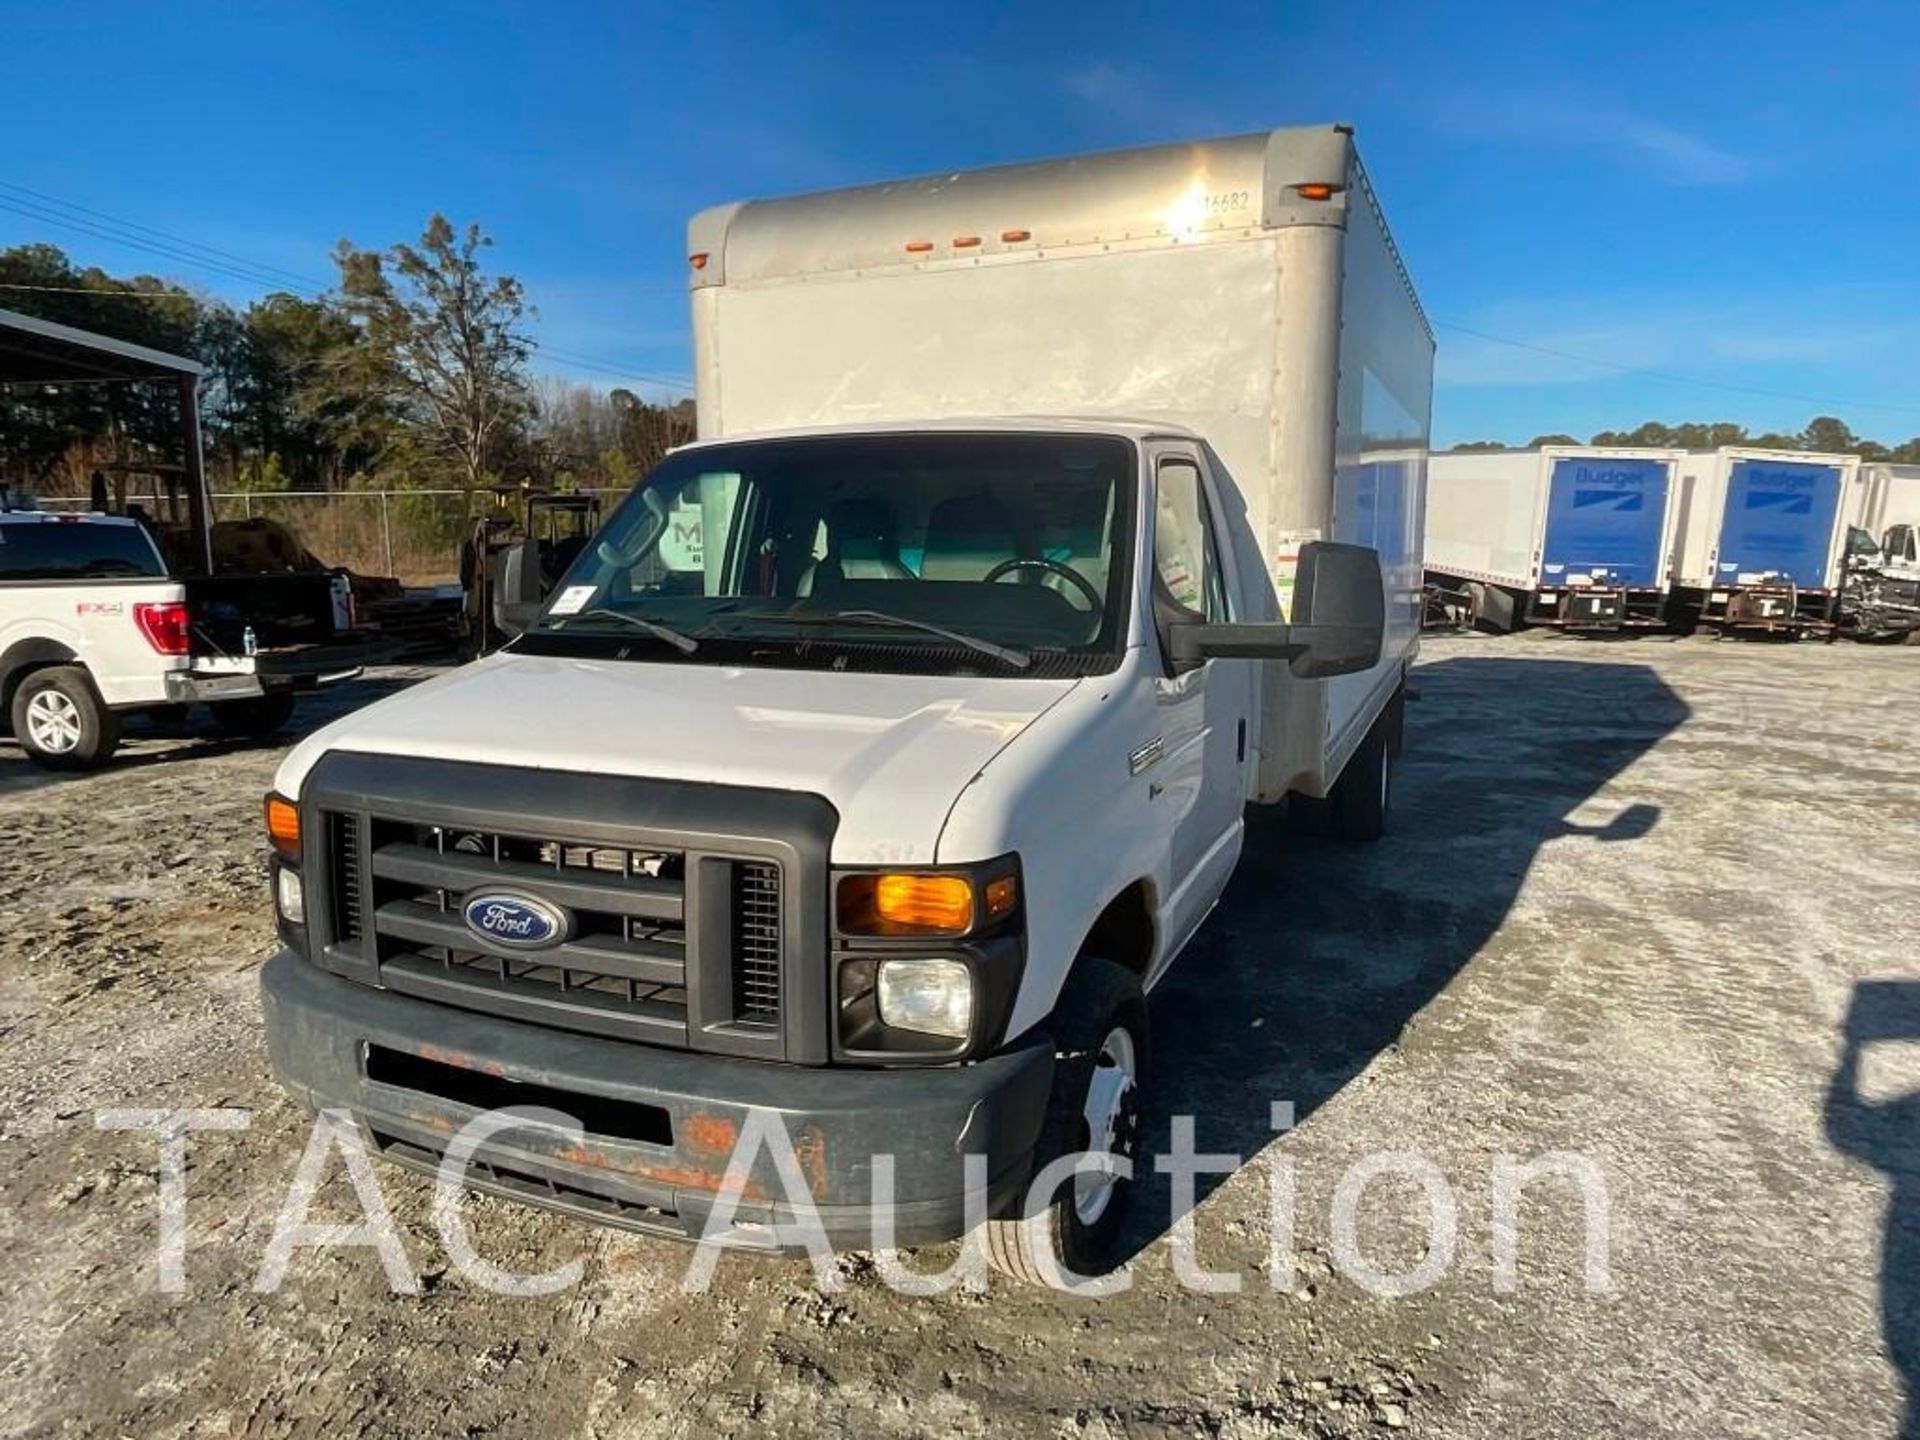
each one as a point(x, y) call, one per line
point(443, 349)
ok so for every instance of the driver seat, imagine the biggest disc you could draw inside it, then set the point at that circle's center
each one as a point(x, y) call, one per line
point(967, 535)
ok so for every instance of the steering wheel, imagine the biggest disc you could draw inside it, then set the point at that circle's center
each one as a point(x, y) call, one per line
point(1065, 572)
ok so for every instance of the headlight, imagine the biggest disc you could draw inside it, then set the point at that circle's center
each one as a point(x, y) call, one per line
point(290, 895)
point(934, 997)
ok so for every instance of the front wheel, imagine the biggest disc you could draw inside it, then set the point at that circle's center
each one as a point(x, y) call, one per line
point(255, 716)
point(61, 721)
point(1100, 1065)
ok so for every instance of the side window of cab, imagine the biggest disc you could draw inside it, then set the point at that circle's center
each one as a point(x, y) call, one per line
point(1185, 559)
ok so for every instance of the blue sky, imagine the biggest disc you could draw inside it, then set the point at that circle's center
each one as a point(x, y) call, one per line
point(1719, 192)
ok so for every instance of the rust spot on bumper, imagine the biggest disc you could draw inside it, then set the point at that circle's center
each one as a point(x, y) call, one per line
point(712, 1134)
point(810, 1149)
point(459, 1059)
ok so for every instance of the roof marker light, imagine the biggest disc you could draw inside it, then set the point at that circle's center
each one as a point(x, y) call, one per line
point(919, 247)
point(965, 242)
point(698, 260)
point(1014, 237)
point(1316, 191)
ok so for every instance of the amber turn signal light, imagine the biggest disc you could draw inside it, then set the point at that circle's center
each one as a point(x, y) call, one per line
point(906, 904)
point(283, 827)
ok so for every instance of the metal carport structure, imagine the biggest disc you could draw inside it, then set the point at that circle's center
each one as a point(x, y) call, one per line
point(40, 352)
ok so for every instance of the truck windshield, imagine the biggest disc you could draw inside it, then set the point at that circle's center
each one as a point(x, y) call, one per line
point(76, 550)
point(939, 551)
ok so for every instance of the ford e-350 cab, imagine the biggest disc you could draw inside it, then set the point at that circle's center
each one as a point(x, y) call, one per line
point(868, 775)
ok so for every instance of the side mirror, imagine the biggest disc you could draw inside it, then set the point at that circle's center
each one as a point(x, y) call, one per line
point(516, 587)
point(1340, 602)
point(1339, 619)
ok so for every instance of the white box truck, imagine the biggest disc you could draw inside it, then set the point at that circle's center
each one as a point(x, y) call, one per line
point(1761, 536)
point(1881, 597)
point(889, 743)
point(1574, 536)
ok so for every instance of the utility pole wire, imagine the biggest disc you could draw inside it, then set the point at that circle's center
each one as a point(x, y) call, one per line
point(37, 205)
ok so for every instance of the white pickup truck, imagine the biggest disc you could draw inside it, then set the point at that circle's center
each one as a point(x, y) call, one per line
point(92, 627)
point(888, 745)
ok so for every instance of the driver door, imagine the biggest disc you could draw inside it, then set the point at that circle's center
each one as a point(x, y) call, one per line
point(1204, 713)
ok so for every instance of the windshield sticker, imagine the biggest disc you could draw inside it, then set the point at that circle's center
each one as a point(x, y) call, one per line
point(572, 600)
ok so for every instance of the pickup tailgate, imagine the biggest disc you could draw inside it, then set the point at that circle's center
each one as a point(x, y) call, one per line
point(293, 627)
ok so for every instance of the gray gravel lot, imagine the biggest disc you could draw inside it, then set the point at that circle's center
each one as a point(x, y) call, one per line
point(1627, 911)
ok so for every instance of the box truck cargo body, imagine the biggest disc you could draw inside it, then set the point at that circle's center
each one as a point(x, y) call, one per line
point(1194, 285)
point(1761, 537)
point(1579, 537)
point(890, 742)
point(1881, 598)
point(1890, 495)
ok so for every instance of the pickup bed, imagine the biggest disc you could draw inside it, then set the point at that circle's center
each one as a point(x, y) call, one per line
point(92, 626)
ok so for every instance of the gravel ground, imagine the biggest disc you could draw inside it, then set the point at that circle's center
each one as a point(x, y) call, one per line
point(1631, 898)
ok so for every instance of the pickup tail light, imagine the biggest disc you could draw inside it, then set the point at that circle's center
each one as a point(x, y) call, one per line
point(164, 624)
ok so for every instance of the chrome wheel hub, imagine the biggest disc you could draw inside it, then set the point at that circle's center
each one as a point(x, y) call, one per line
point(1111, 1117)
point(53, 722)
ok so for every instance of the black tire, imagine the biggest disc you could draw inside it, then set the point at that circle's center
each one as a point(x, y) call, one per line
point(1100, 999)
point(256, 715)
point(61, 721)
point(1357, 809)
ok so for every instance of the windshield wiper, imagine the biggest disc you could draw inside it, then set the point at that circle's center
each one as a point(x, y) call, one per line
point(1007, 655)
point(685, 644)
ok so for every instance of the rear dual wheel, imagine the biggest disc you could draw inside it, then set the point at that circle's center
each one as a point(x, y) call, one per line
point(1357, 806)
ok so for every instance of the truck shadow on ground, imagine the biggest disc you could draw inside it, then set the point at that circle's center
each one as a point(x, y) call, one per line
point(1320, 953)
point(1886, 1134)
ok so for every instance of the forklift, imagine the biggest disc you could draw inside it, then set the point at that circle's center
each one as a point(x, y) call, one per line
point(515, 554)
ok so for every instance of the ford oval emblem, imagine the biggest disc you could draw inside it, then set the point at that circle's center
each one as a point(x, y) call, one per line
point(519, 922)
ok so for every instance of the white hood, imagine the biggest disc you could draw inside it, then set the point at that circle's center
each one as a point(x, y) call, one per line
point(889, 752)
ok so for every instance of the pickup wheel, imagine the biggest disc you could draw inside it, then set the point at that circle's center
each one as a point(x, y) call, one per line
point(1100, 1063)
point(61, 721)
point(256, 715)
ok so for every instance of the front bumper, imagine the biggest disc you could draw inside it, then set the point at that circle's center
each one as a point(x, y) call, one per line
point(322, 1029)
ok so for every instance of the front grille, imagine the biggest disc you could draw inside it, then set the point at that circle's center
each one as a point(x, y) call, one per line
point(756, 944)
point(343, 852)
point(688, 909)
point(622, 970)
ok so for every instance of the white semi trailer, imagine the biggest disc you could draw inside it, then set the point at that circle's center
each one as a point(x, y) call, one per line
point(1761, 538)
point(1574, 536)
point(891, 742)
